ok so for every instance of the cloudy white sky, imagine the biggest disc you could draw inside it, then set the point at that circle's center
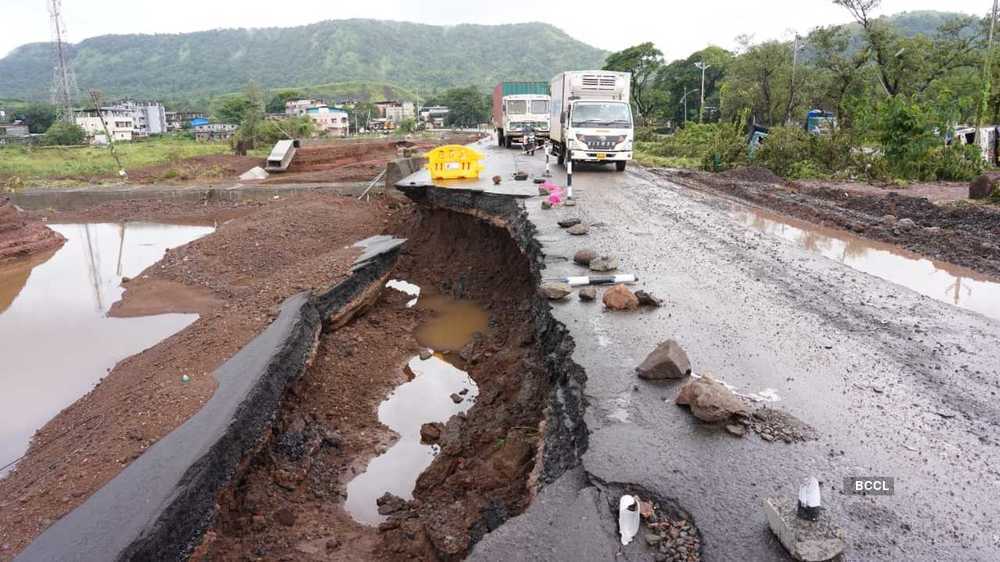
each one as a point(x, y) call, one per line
point(677, 28)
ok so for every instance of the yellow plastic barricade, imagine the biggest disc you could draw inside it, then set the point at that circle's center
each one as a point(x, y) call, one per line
point(454, 161)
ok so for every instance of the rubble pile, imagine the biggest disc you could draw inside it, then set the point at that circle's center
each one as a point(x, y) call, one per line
point(20, 237)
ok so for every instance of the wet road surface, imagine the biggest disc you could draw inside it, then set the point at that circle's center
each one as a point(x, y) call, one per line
point(896, 383)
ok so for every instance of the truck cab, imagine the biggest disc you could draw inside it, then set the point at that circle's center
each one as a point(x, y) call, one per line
point(592, 117)
point(521, 112)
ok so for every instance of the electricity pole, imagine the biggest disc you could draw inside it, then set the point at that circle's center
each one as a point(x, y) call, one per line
point(987, 74)
point(684, 100)
point(701, 108)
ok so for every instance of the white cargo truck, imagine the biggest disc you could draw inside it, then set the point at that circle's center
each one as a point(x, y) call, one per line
point(591, 118)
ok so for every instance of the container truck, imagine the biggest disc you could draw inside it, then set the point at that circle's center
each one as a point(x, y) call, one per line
point(591, 117)
point(518, 106)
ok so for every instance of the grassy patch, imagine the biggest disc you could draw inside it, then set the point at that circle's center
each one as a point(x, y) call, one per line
point(41, 165)
point(646, 157)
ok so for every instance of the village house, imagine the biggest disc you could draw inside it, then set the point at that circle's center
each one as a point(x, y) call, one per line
point(12, 133)
point(177, 120)
point(205, 131)
point(148, 117)
point(396, 111)
point(329, 120)
point(119, 123)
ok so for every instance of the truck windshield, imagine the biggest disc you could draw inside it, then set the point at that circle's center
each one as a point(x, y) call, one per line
point(606, 115)
point(517, 107)
point(539, 107)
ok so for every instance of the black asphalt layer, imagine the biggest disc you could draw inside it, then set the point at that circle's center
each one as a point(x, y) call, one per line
point(896, 384)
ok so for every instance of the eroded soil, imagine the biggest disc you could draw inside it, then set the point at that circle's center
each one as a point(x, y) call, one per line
point(22, 237)
point(234, 278)
point(958, 232)
point(289, 504)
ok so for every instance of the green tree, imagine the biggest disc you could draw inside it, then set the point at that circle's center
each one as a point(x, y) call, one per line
point(467, 107)
point(643, 61)
point(250, 109)
point(277, 102)
point(62, 133)
point(407, 126)
point(681, 76)
point(38, 116)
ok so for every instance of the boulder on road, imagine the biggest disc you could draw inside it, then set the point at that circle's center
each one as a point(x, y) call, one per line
point(588, 294)
point(620, 297)
point(604, 263)
point(554, 290)
point(667, 362)
point(710, 400)
point(566, 223)
point(647, 299)
point(578, 229)
point(584, 257)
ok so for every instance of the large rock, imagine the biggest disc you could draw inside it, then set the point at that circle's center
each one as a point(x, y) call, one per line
point(647, 299)
point(604, 263)
point(566, 223)
point(620, 298)
point(555, 291)
point(710, 400)
point(668, 361)
point(588, 294)
point(981, 187)
point(430, 433)
point(584, 257)
point(578, 229)
point(808, 541)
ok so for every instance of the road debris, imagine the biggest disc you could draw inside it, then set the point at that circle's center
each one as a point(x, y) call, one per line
point(647, 299)
point(578, 229)
point(566, 223)
point(620, 297)
point(604, 263)
point(668, 361)
point(584, 257)
point(710, 400)
point(554, 290)
point(805, 529)
point(628, 518)
point(588, 294)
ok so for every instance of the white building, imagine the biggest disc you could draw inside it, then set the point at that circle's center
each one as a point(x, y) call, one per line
point(119, 122)
point(330, 120)
point(148, 117)
point(434, 116)
point(298, 108)
point(396, 111)
point(214, 131)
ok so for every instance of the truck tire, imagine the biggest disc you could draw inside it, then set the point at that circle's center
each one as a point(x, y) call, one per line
point(620, 165)
point(499, 137)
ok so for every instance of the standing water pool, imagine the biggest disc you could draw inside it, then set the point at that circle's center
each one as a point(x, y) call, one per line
point(56, 338)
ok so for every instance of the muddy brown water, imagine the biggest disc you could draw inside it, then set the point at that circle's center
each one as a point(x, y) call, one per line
point(58, 340)
point(942, 281)
point(423, 399)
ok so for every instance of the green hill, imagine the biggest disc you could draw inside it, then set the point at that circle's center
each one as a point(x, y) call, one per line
point(420, 57)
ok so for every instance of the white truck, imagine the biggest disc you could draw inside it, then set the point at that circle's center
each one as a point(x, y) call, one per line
point(591, 118)
point(518, 107)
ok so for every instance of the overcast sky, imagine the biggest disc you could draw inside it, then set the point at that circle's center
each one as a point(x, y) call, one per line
point(677, 28)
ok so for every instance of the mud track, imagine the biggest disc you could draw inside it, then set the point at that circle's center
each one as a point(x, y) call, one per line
point(524, 430)
point(961, 233)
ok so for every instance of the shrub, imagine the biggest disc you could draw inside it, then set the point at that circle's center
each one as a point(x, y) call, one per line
point(62, 133)
point(784, 149)
point(726, 148)
point(952, 163)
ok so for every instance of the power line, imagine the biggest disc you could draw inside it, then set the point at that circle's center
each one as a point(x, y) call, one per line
point(64, 81)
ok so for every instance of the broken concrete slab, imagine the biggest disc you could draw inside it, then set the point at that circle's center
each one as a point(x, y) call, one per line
point(254, 174)
point(668, 361)
point(807, 541)
point(710, 400)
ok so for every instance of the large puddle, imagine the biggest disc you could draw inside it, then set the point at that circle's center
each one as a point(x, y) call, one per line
point(58, 341)
point(425, 398)
point(942, 281)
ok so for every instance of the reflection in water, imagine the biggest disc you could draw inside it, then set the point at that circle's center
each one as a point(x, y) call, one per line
point(452, 324)
point(14, 275)
point(57, 339)
point(424, 399)
point(942, 281)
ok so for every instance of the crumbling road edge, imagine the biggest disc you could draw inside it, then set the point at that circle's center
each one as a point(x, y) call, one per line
point(158, 507)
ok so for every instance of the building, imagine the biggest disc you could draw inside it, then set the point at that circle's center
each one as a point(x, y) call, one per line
point(148, 117)
point(298, 108)
point(330, 120)
point(14, 133)
point(434, 116)
point(213, 131)
point(119, 122)
point(396, 111)
point(177, 120)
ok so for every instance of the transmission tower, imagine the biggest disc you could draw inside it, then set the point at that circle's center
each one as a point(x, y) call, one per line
point(63, 80)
